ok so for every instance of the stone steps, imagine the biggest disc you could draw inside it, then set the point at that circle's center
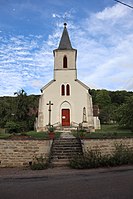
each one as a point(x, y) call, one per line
point(67, 148)
point(66, 129)
point(64, 149)
point(66, 155)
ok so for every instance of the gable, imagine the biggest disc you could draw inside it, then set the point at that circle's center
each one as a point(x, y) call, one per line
point(47, 85)
point(82, 84)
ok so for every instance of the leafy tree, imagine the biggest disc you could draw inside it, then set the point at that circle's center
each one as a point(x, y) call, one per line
point(6, 110)
point(111, 104)
point(26, 111)
point(22, 106)
point(102, 98)
point(22, 109)
point(119, 97)
point(19, 111)
point(125, 114)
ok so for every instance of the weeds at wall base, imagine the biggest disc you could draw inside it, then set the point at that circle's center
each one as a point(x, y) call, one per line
point(39, 163)
point(122, 155)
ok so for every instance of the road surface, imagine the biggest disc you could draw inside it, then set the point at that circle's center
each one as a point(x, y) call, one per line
point(116, 183)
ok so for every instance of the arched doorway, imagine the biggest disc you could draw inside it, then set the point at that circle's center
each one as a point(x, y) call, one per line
point(65, 117)
point(65, 113)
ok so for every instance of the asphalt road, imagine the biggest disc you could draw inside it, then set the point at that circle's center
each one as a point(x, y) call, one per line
point(95, 184)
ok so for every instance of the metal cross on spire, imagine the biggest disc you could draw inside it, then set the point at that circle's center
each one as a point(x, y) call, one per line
point(65, 19)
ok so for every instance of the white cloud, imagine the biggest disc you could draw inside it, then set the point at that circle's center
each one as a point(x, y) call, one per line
point(104, 43)
point(56, 15)
point(24, 60)
point(66, 15)
point(114, 13)
point(37, 83)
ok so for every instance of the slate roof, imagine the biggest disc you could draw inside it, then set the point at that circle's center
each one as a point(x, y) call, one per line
point(65, 43)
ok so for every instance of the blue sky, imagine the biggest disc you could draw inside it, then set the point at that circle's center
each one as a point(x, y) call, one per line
point(101, 31)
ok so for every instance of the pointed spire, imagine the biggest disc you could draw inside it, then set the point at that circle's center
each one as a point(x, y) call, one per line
point(65, 43)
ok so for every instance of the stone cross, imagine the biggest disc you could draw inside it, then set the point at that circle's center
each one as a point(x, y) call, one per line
point(49, 109)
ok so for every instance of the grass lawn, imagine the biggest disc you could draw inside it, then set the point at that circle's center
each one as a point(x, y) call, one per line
point(110, 131)
point(112, 128)
point(106, 131)
point(41, 135)
point(31, 134)
point(4, 135)
point(37, 135)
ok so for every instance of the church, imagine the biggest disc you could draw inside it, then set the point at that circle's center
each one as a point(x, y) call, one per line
point(65, 101)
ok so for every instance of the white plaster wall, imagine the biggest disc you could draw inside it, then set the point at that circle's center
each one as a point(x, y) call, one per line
point(78, 99)
point(97, 123)
point(58, 59)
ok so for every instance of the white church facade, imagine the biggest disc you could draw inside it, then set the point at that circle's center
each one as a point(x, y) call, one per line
point(65, 101)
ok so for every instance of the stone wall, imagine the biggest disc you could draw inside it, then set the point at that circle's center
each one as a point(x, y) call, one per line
point(17, 153)
point(106, 145)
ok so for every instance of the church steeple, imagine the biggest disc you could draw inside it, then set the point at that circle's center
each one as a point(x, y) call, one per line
point(65, 43)
point(65, 56)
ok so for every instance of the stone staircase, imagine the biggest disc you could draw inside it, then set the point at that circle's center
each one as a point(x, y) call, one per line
point(62, 129)
point(63, 150)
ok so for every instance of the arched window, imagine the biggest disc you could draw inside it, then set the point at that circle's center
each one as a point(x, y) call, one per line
point(65, 62)
point(67, 89)
point(62, 89)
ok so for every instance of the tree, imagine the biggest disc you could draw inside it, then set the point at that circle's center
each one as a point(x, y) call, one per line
point(102, 98)
point(7, 105)
point(119, 97)
point(22, 105)
point(27, 108)
point(125, 114)
point(19, 111)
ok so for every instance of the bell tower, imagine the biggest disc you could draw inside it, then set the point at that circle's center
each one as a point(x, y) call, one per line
point(65, 56)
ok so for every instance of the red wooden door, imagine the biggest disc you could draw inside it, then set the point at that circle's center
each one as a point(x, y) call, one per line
point(65, 117)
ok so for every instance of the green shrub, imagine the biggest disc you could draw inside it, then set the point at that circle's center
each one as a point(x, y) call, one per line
point(78, 162)
point(23, 126)
point(51, 129)
point(90, 159)
point(12, 127)
point(2, 130)
point(81, 133)
point(40, 163)
point(16, 127)
point(122, 155)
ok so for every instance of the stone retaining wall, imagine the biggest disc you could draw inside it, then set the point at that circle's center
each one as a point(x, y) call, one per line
point(105, 145)
point(18, 153)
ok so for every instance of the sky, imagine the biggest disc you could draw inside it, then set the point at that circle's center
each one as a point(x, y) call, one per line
point(100, 30)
